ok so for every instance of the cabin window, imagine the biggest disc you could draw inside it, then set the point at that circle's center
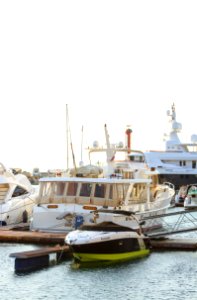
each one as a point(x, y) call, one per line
point(139, 190)
point(72, 189)
point(118, 191)
point(122, 190)
point(184, 163)
point(85, 190)
point(180, 163)
point(59, 188)
point(100, 190)
point(194, 164)
point(45, 189)
point(136, 158)
point(19, 191)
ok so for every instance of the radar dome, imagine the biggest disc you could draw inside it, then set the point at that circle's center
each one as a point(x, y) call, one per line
point(168, 112)
point(120, 145)
point(194, 138)
point(95, 144)
point(177, 126)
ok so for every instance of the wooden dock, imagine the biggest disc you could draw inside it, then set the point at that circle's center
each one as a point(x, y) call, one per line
point(28, 261)
point(31, 237)
point(20, 234)
point(40, 252)
point(7, 235)
point(174, 244)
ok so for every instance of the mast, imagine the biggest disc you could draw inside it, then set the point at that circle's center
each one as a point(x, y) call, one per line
point(81, 145)
point(69, 139)
point(110, 153)
point(67, 136)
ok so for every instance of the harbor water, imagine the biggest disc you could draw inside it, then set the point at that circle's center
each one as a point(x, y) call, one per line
point(161, 275)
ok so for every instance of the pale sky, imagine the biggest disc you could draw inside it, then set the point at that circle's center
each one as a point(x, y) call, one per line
point(114, 62)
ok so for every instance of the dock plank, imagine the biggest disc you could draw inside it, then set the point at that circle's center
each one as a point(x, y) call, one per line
point(40, 252)
point(174, 244)
point(31, 237)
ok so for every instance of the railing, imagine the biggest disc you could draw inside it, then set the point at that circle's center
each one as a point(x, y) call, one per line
point(171, 185)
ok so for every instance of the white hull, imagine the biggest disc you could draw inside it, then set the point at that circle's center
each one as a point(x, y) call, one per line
point(66, 203)
point(17, 210)
point(17, 197)
point(59, 217)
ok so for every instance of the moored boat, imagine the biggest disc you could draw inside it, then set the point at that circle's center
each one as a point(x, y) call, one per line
point(64, 203)
point(190, 201)
point(178, 162)
point(17, 197)
point(114, 240)
point(180, 196)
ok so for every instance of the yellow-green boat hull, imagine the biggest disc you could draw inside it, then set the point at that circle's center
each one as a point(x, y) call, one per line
point(115, 257)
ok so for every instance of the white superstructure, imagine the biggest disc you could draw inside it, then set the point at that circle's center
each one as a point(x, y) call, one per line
point(178, 163)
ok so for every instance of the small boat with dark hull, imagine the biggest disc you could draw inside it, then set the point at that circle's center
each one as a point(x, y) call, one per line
point(181, 195)
point(110, 241)
point(190, 201)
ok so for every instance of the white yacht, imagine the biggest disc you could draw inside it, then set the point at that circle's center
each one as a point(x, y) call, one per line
point(178, 163)
point(17, 197)
point(65, 203)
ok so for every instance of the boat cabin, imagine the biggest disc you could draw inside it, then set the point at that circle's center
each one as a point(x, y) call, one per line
point(93, 191)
